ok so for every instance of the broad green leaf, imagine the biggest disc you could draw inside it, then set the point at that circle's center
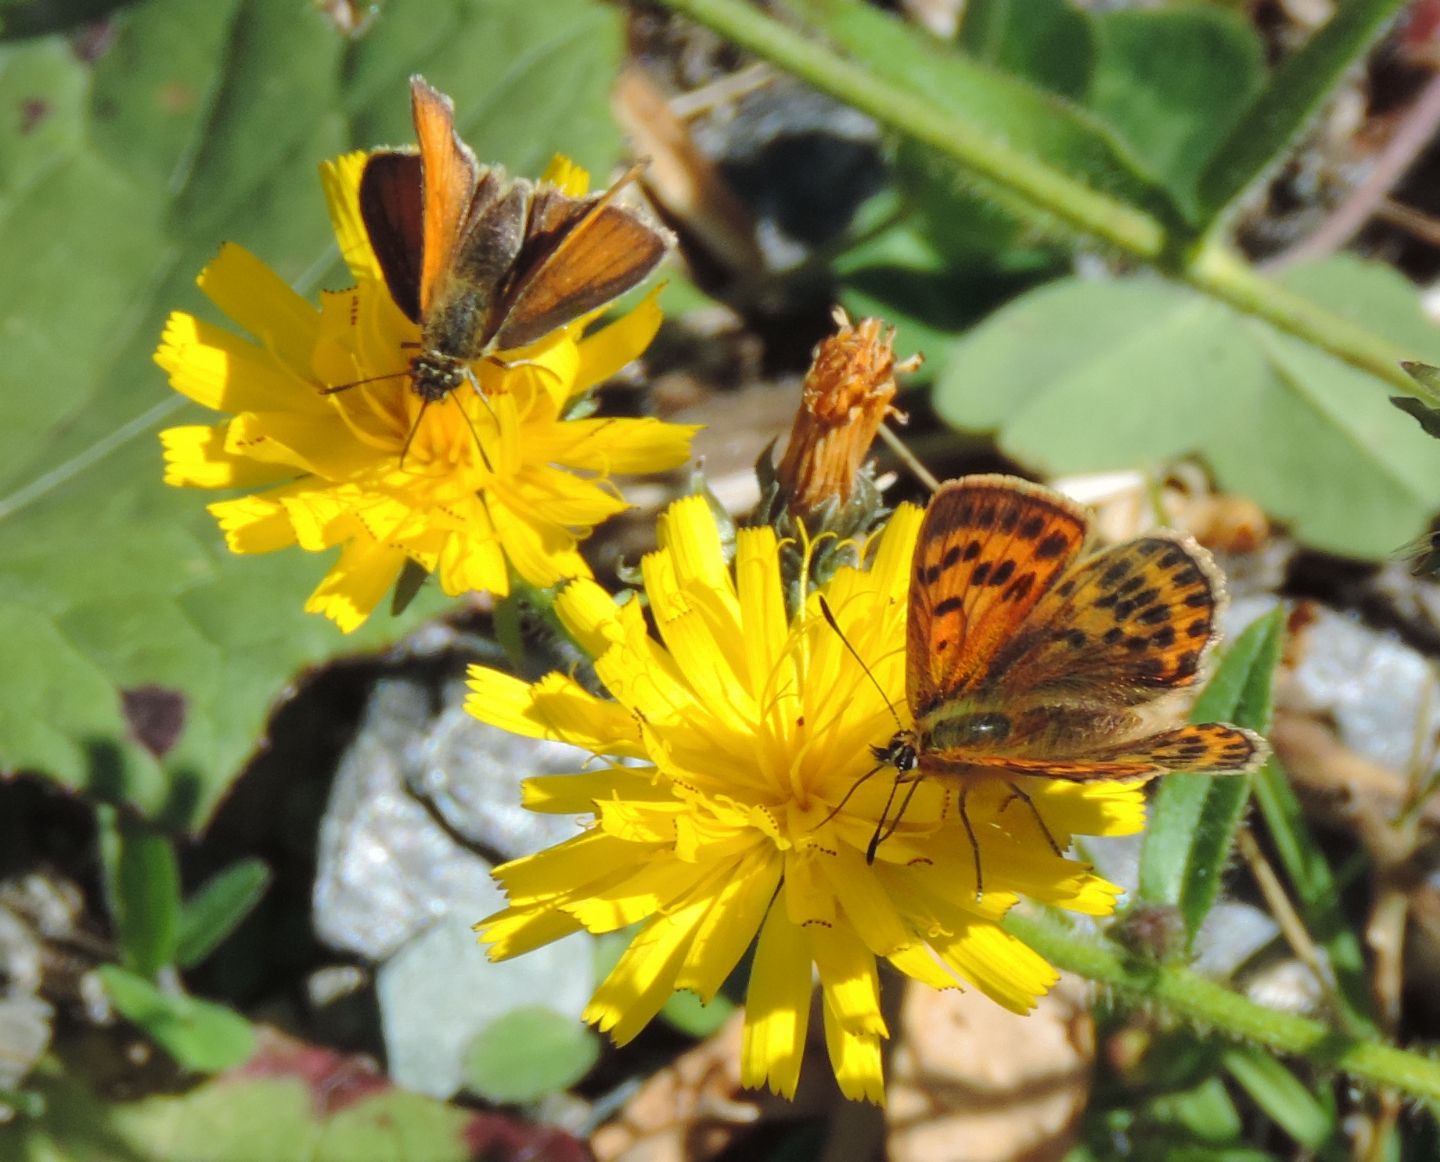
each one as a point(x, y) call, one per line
point(1284, 1097)
point(1050, 42)
point(197, 124)
point(685, 1012)
point(1082, 376)
point(273, 1109)
point(1193, 818)
point(1172, 81)
point(212, 913)
point(997, 105)
point(143, 890)
point(528, 1053)
point(199, 1035)
point(1297, 91)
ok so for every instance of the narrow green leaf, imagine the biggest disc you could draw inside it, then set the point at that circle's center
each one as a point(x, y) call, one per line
point(1296, 92)
point(528, 1053)
point(212, 913)
point(1193, 818)
point(1317, 895)
point(1277, 1091)
point(199, 1035)
point(144, 894)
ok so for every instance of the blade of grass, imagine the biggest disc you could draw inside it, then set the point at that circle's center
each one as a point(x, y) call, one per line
point(1193, 819)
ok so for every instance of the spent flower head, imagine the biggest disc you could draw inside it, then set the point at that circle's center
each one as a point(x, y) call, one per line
point(333, 447)
point(726, 811)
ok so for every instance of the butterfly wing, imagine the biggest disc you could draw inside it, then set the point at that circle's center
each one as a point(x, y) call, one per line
point(989, 549)
point(392, 209)
point(1119, 628)
point(1210, 746)
point(448, 189)
point(579, 254)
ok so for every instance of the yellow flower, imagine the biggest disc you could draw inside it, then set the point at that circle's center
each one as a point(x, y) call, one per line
point(469, 488)
point(729, 744)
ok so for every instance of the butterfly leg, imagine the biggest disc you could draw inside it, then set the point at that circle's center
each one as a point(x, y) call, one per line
point(410, 439)
point(1018, 793)
point(974, 842)
point(884, 831)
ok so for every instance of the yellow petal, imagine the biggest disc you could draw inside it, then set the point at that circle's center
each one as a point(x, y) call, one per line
point(1004, 968)
point(518, 930)
point(606, 351)
point(855, 1059)
point(731, 924)
point(195, 457)
point(614, 445)
point(777, 1007)
point(257, 298)
point(848, 979)
point(642, 982)
point(225, 373)
point(340, 179)
point(357, 583)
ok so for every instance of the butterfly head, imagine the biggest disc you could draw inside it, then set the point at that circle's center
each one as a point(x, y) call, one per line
point(902, 751)
point(435, 375)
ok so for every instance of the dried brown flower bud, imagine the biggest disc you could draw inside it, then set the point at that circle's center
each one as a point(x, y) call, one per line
point(846, 397)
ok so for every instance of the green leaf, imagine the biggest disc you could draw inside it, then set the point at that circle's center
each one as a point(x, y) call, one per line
point(1297, 91)
point(143, 890)
point(1173, 81)
point(1289, 1103)
point(1193, 818)
point(1083, 376)
point(212, 913)
point(1317, 896)
point(196, 125)
point(1050, 42)
point(685, 1012)
point(528, 1053)
point(278, 1108)
point(999, 106)
point(197, 1034)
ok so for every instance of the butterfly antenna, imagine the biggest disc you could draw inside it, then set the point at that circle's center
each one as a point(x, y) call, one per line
point(855, 786)
point(339, 387)
point(840, 633)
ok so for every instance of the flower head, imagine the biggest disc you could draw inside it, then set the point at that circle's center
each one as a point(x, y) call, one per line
point(339, 450)
point(727, 813)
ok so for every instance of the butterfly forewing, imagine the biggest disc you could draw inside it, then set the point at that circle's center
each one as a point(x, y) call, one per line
point(391, 208)
point(988, 550)
point(450, 176)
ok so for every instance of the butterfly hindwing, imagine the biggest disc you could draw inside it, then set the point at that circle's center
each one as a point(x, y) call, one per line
point(392, 210)
point(988, 550)
point(1117, 629)
point(579, 254)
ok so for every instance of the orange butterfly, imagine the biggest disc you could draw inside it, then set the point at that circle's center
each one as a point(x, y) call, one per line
point(483, 263)
point(1024, 656)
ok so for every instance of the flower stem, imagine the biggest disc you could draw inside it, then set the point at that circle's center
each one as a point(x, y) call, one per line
point(1054, 195)
point(1213, 1006)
